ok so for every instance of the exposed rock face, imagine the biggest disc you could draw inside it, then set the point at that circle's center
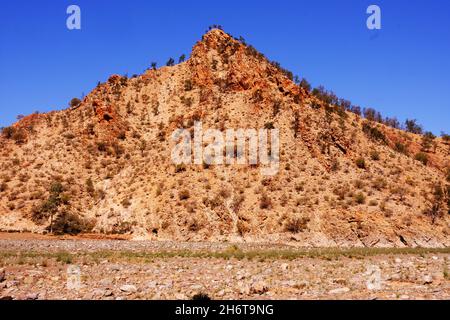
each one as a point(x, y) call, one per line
point(112, 156)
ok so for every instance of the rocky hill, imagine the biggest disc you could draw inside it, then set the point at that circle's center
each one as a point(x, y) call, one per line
point(104, 165)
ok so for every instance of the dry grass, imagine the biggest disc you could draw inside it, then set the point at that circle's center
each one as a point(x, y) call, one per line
point(232, 252)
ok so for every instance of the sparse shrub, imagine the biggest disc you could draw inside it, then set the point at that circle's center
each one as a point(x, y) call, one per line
point(64, 257)
point(379, 183)
point(75, 102)
point(118, 149)
point(188, 85)
point(122, 135)
point(335, 165)
point(100, 194)
point(276, 108)
point(373, 133)
point(56, 187)
point(265, 202)
point(445, 137)
point(413, 127)
point(361, 163)
point(69, 136)
point(372, 115)
point(324, 95)
point(422, 157)
point(242, 227)
point(201, 297)
point(170, 62)
point(296, 123)
point(184, 194)
point(400, 191)
point(237, 202)
point(269, 126)
point(102, 146)
point(122, 227)
point(65, 198)
point(180, 168)
point(90, 187)
point(359, 184)
point(8, 132)
point(305, 85)
point(428, 141)
point(340, 192)
point(194, 225)
point(360, 198)
point(257, 96)
point(437, 204)
point(296, 225)
point(90, 129)
point(49, 208)
point(158, 191)
point(224, 192)
point(126, 203)
point(18, 135)
point(69, 223)
point(374, 155)
point(400, 147)
point(143, 146)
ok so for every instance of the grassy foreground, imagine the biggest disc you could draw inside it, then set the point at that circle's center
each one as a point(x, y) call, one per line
point(24, 257)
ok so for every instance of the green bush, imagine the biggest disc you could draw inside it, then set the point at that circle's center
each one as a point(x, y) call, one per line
point(305, 85)
point(413, 127)
point(427, 141)
point(373, 133)
point(18, 135)
point(75, 102)
point(375, 155)
point(201, 297)
point(69, 223)
point(49, 207)
point(184, 194)
point(296, 225)
point(170, 62)
point(361, 163)
point(422, 157)
point(8, 132)
point(188, 85)
point(265, 202)
point(360, 198)
point(102, 146)
point(445, 137)
point(400, 147)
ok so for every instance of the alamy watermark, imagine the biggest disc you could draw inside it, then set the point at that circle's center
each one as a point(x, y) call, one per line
point(374, 20)
point(73, 277)
point(73, 22)
point(231, 147)
point(374, 281)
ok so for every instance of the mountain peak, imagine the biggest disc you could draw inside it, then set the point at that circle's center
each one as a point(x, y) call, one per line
point(342, 181)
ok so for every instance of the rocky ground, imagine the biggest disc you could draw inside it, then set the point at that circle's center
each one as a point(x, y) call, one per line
point(112, 269)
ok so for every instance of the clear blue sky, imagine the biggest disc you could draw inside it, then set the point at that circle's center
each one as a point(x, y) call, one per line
point(401, 70)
